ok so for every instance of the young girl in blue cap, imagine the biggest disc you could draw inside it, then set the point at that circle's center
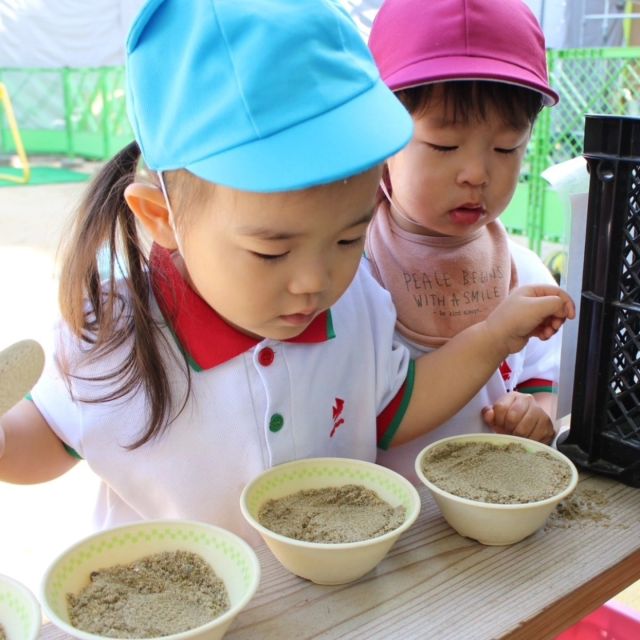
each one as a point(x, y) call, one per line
point(248, 335)
point(473, 75)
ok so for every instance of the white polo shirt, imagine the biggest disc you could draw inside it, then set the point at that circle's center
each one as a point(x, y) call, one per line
point(532, 370)
point(253, 404)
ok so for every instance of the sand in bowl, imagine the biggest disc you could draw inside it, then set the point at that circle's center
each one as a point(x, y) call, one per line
point(158, 595)
point(348, 513)
point(497, 474)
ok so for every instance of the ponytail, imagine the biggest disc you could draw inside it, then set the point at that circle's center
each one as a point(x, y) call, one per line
point(97, 311)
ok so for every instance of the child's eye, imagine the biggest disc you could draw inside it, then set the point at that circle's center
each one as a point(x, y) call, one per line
point(269, 257)
point(502, 150)
point(441, 148)
point(351, 243)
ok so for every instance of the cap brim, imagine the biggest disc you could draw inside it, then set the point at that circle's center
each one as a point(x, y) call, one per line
point(350, 139)
point(468, 68)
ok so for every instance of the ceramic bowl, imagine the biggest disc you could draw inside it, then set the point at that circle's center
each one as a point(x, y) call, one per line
point(231, 558)
point(489, 523)
point(20, 615)
point(329, 563)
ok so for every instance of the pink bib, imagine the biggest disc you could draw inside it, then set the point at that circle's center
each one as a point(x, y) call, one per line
point(440, 285)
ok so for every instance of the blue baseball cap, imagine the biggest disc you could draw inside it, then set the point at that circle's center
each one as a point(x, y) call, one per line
point(258, 95)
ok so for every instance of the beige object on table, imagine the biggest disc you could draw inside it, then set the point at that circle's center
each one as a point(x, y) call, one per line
point(20, 367)
point(437, 584)
point(231, 558)
point(323, 562)
point(490, 523)
point(19, 610)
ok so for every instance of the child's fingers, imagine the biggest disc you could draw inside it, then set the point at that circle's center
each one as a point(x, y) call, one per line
point(552, 312)
point(542, 290)
point(542, 430)
point(535, 425)
point(548, 327)
point(519, 415)
point(488, 415)
point(557, 300)
point(554, 307)
point(504, 412)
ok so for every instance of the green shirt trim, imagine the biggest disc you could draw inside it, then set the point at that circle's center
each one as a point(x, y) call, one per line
point(192, 363)
point(331, 333)
point(72, 452)
point(402, 409)
point(532, 390)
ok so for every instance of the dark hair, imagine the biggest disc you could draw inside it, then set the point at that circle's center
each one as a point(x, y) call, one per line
point(98, 311)
point(469, 99)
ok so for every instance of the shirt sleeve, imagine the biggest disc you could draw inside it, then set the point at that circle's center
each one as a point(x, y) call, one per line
point(394, 368)
point(536, 385)
point(541, 364)
point(53, 394)
point(391, 417)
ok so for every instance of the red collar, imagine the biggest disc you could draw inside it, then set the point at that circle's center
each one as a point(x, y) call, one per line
point(205, 338)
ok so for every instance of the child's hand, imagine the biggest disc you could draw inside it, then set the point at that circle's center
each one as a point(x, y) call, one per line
point(530, 311)
point(518, 414)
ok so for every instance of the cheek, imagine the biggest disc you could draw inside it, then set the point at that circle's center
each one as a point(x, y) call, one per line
point(344, 266)
point(510, 176)
point(503, 190)
point(415, 172)
point(213, 269)
point(348, 272)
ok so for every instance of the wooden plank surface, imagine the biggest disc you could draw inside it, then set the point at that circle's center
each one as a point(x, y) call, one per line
point(436, 584)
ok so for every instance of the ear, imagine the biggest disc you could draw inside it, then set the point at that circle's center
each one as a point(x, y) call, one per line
point(148, 205)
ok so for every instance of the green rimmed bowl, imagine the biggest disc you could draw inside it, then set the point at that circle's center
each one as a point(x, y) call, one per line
point(20, 615)
point(232, 559)
point(321, 562)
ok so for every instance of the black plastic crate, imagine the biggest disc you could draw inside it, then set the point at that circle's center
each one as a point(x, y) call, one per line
point(605, 415)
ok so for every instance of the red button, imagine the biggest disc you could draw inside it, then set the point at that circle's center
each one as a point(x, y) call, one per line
point(266, 356)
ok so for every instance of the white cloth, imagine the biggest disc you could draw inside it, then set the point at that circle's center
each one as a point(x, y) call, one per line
point(537, 360)
point(64, 33)
point(222, 439)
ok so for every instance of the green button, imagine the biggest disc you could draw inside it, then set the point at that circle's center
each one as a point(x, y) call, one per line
point(276, 423)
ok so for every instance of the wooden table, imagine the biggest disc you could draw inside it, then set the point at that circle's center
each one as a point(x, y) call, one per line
point(435, 584)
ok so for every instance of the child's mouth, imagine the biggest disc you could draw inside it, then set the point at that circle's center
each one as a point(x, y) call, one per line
point(298, 319)
point(466, 215)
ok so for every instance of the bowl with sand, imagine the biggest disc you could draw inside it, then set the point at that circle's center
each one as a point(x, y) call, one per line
point(497, 489)
point(20, 617)
point(169, 579)
point(330, 520)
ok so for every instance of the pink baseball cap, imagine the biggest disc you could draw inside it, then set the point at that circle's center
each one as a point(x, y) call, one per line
point(417, 42)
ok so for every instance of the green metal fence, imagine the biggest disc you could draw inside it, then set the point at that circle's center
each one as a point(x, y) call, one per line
point(81, 113)
point(78, 112)
point(604, 81)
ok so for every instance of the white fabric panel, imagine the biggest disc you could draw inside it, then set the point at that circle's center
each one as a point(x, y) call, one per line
point(64, 33)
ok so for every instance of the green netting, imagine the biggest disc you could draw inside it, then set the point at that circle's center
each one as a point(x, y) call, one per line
point(43, 175)
point(69, 112)
point(596, 81)
point(81, 112)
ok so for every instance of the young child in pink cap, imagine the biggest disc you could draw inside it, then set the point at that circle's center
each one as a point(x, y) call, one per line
point(473, 75)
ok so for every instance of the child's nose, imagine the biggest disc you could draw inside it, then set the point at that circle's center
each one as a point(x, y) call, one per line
point(474, 172)
point(311, 277)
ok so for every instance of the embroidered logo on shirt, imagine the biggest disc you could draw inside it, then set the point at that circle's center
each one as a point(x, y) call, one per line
point(337, 411)
point(505, 371)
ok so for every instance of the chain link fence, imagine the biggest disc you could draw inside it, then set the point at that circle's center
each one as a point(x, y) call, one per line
point(596, 81)
point(82, 113)
point(79, 112)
